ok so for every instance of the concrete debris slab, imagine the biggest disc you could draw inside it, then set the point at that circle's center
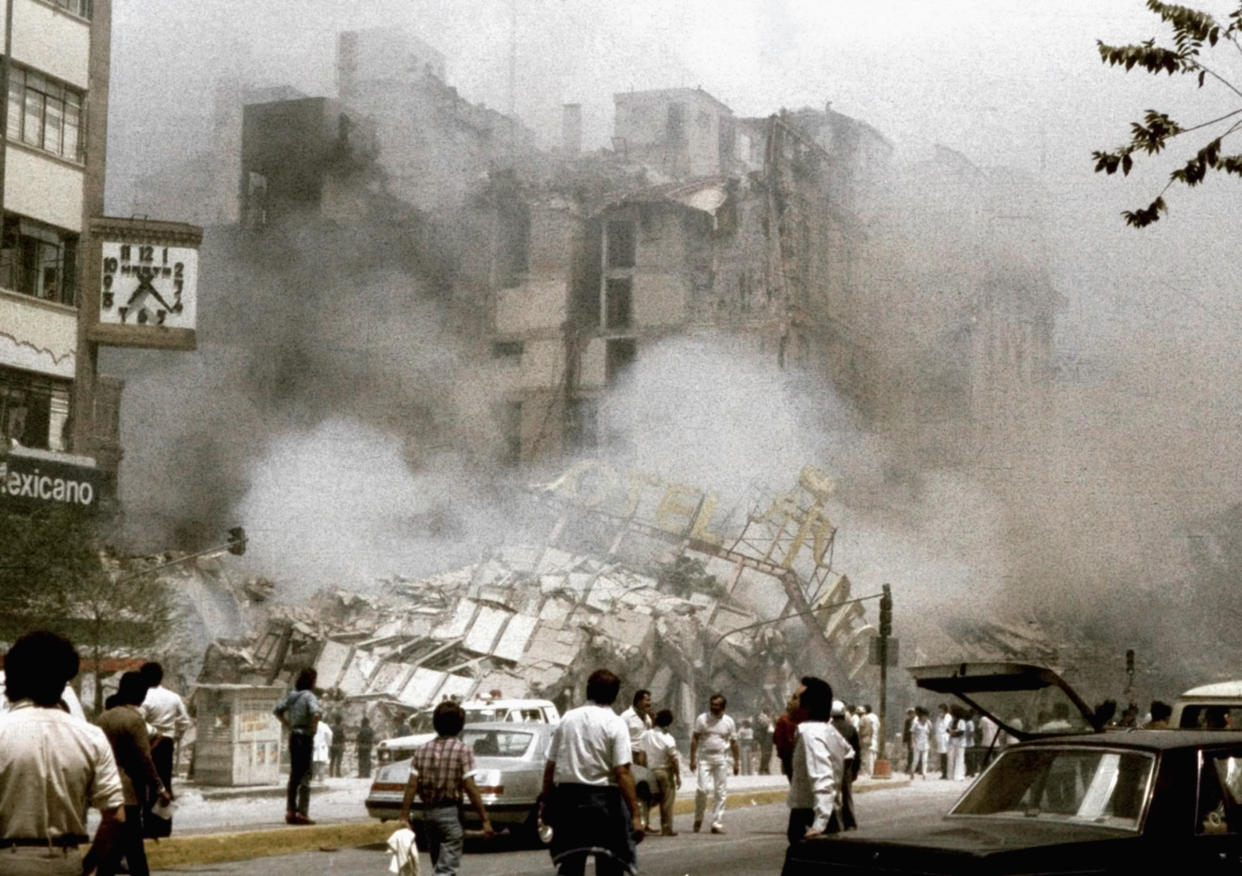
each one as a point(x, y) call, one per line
point(485, 629)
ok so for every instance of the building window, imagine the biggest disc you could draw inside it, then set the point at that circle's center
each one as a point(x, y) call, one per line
point(511, 429)
point(582, 423)
point(38, 260)
point(80, 8)
point(675, 125)
point(510, 350)
point(621, 352)
point(33, 410)
point(618, 294)
point(621, 246)
point(45, 114)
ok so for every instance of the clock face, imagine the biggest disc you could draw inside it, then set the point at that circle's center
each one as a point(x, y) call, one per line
point(148, 285)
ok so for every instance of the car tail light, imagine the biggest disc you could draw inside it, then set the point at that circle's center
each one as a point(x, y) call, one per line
point(494, 790)
point(388, 786)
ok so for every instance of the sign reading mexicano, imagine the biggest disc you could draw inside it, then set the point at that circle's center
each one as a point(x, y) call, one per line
point(687, 511)
point(32, 480)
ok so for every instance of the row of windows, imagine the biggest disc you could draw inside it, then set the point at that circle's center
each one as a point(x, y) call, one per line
point(80, 8)
point(46, 114)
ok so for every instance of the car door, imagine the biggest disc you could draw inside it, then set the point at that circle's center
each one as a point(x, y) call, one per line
point(1025, 700)
point(1217, 827)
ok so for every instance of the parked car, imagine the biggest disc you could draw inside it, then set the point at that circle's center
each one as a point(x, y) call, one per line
point(519, 711)
point(1216, 706)
point(509, 759)
point(1067, 798)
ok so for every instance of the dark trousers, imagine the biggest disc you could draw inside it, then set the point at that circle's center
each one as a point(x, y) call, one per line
point(944, 764)
point(128, 846)
point(162, 754)
point(848, 821)
point(765, 758)
point(364, 763)
point(800, 821)
point(297, 798)
point(590, 820)
point(334, 762)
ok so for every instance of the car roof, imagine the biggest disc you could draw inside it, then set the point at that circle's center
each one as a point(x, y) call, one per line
point(510, 726)
point(1216, 689)
point(1147, 740)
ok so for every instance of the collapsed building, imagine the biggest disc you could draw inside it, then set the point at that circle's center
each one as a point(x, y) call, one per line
point(663, 599)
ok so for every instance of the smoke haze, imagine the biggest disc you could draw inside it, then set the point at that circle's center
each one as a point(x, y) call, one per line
point(350, 434)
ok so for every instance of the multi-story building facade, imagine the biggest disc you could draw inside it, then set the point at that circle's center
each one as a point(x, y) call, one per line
point(55, 121)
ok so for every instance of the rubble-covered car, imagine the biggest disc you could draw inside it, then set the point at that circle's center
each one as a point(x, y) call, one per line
point(1068, 798)
point(509, 759)
point(518, 711)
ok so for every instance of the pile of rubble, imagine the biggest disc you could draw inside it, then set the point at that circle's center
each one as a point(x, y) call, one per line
point(524, 622)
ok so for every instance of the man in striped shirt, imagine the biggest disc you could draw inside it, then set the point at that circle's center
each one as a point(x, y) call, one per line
point(439, 772)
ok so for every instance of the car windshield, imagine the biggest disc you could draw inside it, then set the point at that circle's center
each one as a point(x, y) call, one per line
point(497, 743)
point(1082, 785)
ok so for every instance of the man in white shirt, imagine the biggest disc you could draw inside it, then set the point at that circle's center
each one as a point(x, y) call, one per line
point(588, 790)
point(637, 720)
point(818, 764)
point(165, 712)
point(920, 736)
point(940, 738)
point(661, 751)
point(714, 739)
point(52, 766)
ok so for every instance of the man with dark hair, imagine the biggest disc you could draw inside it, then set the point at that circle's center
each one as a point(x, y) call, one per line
point(818, 764)
point(300, 712)
point(165, 712)
point(126, 730)
point(52, 766)
point(637, 720)
point(1160, 714)
point(715, 735)
point(661, 751)
point(439, 772)
point(588, 789)
point(365, 741)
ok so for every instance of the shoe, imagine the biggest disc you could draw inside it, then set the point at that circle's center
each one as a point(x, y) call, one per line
point(289, 816)
point(668, 833)
point(649, 830)
point(716, 828)
point(698, 825)
point(299, 818)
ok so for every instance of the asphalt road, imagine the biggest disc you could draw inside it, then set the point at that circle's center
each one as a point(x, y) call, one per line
point(754, 844)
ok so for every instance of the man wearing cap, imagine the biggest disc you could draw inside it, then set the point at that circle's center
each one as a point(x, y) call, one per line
point(849, 732)
point(52, 766)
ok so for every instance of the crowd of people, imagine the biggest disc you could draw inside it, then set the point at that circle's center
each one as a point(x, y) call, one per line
point(54, 764)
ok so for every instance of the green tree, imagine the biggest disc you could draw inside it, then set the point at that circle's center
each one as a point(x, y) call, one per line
point(53, 576)
point(1194, 34)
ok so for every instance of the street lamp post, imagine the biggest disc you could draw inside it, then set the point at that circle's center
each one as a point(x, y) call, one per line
point(236, 545)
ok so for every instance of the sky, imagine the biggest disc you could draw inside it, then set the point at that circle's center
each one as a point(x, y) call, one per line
point(1004, 82)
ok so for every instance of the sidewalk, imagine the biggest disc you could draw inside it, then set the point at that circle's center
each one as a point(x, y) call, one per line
point(202, 846)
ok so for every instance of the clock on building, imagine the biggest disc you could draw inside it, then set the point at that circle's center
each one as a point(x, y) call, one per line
point(145, 277)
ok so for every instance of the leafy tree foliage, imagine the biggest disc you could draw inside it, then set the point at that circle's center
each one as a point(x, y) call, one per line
point(1194, 33)
point(53, 576)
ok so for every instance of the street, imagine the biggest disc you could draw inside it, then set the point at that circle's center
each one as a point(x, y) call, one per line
point(755, 843)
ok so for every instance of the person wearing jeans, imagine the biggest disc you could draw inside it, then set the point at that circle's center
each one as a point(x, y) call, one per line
point(300, 712)
point(439, 772)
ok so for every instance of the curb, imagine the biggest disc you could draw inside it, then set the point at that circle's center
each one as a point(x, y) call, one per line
point(217, 848)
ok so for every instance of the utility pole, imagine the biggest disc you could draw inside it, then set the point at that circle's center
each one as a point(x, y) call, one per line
point(886, 630)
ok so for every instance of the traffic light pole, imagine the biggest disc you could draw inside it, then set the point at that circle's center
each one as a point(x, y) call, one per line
point(886, 630)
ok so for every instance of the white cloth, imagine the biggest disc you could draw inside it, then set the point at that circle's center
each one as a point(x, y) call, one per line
point(872, 740)
point(588, 744)
point(715, 735)
point(660, 748)
point(323, 741)
point(403, 846)
point(712, 775)
point(920, 733)
point(941, 732)
point(988, 729)
point(52, 766)
point(818, 763)
point(165, 711)
point(637, 725)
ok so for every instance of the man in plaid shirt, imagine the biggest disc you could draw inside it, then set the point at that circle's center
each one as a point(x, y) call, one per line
point(439, 772)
